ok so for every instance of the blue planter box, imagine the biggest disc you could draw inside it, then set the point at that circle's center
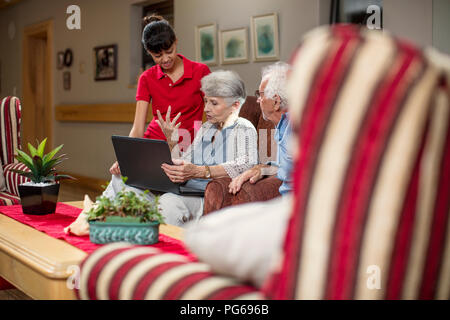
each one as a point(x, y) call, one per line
point(118, 229)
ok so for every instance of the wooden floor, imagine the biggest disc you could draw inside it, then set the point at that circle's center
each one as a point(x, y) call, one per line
point(13, 294)
point(68, 191)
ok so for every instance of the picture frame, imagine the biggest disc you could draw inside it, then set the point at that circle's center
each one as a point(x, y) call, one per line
point(68, 58)
point(265, 39)
point(105, 62)
point(368, 13)
point(206, 44)
point(60, 60)
point(234, 46)
point(66, 80)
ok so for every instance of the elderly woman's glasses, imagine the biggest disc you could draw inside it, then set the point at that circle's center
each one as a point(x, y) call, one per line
point(259, 94)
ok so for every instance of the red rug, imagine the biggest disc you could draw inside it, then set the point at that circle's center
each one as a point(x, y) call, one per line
point(54, 224)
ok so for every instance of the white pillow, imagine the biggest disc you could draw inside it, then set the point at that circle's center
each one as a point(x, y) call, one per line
point(240, 241)
point(2, 178)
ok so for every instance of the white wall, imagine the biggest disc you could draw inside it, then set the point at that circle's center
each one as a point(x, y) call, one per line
point(295, 17)
point(441, 25)
point(410, 19)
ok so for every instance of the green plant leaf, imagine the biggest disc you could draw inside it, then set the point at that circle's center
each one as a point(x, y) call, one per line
point(26, 157)
point(37, 161)
point(126, 204)
point(24, 161)
point(49, 178)
point(63, 176)
point(32, 149)
point(26, 174)
point(41, 147)
point(49, 156)
point(42, 167)
point(105, 185)
point(50, 165)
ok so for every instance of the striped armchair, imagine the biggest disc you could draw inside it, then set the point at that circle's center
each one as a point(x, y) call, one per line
point(10, 141)
point(370, 219)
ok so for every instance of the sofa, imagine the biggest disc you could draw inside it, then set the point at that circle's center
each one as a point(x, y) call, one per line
point(10, 109)
point(10, 141)
point(216, 193)
point(370, 212)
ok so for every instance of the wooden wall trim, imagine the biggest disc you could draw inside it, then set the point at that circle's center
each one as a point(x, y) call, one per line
point(93, 184)
point(121, 112)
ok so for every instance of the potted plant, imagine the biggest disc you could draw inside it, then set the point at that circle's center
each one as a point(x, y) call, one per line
point(127, 217)
point(40, 195)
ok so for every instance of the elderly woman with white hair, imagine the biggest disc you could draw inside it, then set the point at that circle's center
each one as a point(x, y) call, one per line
point(224, 146)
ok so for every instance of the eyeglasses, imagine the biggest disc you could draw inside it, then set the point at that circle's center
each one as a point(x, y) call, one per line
point(259, 94)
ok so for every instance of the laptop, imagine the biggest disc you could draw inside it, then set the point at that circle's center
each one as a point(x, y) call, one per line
point(140, 161)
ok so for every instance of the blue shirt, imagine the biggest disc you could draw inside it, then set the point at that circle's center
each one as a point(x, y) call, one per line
point(284, 159)
point(234, 148)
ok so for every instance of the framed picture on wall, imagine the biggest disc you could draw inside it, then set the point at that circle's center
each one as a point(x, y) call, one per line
point(105, 62)
point(367, 13)
point(60, 60)
point(206, 44)
point(66, 80)
point(234, 46)
point(264, 30)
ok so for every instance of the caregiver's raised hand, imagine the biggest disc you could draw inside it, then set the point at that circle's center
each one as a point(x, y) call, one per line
point(168, 127)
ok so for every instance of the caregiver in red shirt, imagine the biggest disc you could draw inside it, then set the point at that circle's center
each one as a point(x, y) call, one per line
point(172, 86)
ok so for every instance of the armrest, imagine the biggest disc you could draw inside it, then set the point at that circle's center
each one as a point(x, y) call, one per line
point(124, 271)
point(12, 179)
point(218, 197)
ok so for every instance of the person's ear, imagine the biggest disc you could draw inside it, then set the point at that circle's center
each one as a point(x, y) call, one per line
point(277, 102)
point(236, 105)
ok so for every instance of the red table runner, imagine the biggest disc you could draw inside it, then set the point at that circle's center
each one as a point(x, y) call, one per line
point(54, 224)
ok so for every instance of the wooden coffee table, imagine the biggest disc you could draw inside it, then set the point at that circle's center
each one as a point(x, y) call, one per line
point(38, 264)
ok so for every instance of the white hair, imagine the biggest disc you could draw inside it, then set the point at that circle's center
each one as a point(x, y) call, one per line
point(276, 76)
point(225, 84)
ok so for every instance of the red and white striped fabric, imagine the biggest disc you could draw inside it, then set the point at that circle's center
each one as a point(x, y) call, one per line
point(10, 129)
point(371, 123)
point(8, 199)
point(10, 112)
point(123, 271)
point(12, 179)
point(372, 172)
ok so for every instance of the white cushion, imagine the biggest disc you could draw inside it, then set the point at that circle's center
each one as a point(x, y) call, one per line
point(240, 241)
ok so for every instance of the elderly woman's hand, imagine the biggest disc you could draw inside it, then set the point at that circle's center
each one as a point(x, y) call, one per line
point(168, 127)
point(181, 171)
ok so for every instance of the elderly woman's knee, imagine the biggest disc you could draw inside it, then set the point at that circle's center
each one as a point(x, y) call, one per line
point(171, 207)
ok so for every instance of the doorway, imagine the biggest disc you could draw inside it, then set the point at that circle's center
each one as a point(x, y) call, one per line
point(37, 80)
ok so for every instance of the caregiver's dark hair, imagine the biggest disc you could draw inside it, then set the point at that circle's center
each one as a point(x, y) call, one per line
point(158, 35)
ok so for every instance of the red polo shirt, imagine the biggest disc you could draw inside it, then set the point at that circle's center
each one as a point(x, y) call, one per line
point(183, 96)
